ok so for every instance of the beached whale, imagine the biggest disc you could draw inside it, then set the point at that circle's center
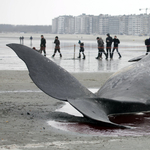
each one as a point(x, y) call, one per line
point(126, 91)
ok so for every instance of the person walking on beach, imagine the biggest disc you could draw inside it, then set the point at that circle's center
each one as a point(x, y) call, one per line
point(100, 47)
point(57, 46)
point(147, 43)
point(116, 41)
point(43, 45)
point(108, 45)
point(81, 50)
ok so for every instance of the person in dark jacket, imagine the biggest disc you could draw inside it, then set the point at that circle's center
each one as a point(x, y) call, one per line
point(116, 41)
point(81, 50)
point(147, 43)
point(100, 48)
point(108, 45)
point(43, 45)
point(57, 47)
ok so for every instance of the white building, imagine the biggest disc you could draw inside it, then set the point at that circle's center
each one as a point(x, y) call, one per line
point(61, 25)
point(102, 24)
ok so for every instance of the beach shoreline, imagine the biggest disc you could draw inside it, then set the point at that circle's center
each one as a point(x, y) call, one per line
point(72, 36)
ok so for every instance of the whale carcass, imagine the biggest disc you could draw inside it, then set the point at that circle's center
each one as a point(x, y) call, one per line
point(126, 91)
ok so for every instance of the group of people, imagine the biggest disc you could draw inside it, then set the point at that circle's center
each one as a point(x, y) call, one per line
point(109, 41)
point(43, 46)
point(101, 50)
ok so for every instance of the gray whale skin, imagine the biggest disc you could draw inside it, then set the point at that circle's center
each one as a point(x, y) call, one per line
point(126, 91)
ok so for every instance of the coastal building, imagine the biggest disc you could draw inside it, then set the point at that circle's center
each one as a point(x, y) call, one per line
point(102, 24)
point(123, 25)
point(113, 24)
point(77, 25)
point(54, 25)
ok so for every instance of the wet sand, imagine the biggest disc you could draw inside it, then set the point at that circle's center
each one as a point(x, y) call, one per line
point(25, 110)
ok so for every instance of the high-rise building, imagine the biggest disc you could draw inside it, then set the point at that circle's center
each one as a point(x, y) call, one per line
point(71, 29)
point(113, 24)
point(123, 25)
point(102, 24)
point(61, 25)
point(77, 25)
point(54, 25)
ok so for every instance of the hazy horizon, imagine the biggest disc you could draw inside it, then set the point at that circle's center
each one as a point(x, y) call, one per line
point(35, 12)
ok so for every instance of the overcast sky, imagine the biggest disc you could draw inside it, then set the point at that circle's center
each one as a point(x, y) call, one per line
point(41, 12)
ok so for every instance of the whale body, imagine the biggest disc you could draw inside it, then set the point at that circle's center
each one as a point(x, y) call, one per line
point(126, 91)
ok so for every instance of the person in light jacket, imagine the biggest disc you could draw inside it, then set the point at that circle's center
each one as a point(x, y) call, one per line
point(100, 48)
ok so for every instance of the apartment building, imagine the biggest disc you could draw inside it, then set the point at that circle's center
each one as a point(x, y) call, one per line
point(102, 24)
point(54, 25)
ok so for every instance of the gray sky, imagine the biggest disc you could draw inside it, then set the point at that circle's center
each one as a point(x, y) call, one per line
point(41, 12)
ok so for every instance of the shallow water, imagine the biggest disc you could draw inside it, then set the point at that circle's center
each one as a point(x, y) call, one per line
point(10, 61)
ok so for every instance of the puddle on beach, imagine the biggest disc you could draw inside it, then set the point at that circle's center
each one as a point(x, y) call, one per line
point(140, 123)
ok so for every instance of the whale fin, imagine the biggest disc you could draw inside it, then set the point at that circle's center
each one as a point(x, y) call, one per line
point(94, 109)
point(48, 76)
point(60, 84)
